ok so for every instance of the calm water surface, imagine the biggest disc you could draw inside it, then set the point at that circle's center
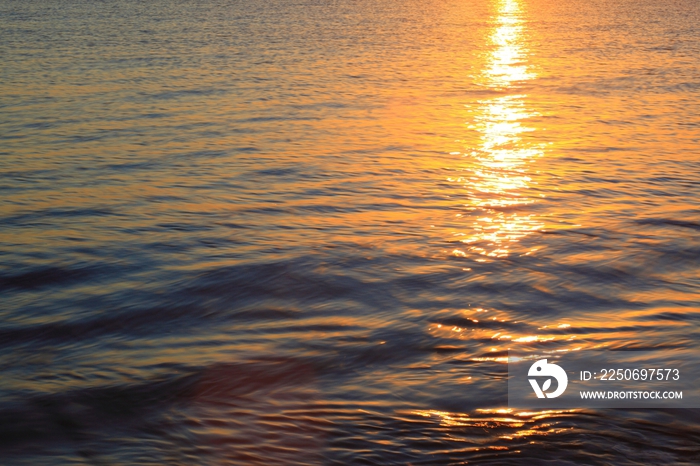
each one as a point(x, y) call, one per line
point(307, 232)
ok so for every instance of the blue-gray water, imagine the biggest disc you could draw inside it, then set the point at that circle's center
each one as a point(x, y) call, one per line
point(307, 232)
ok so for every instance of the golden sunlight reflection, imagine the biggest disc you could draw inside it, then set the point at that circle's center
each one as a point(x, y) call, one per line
point(498, 178)
point(498, 327)
point(524, 423)
point(465, 420)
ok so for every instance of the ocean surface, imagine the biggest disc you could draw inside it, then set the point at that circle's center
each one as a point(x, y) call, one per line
point(266, 232)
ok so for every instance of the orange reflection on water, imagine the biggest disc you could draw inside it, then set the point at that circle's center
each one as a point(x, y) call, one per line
point(521, 424)
point(499, 176)
point(506, 62)
point(502, 417)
